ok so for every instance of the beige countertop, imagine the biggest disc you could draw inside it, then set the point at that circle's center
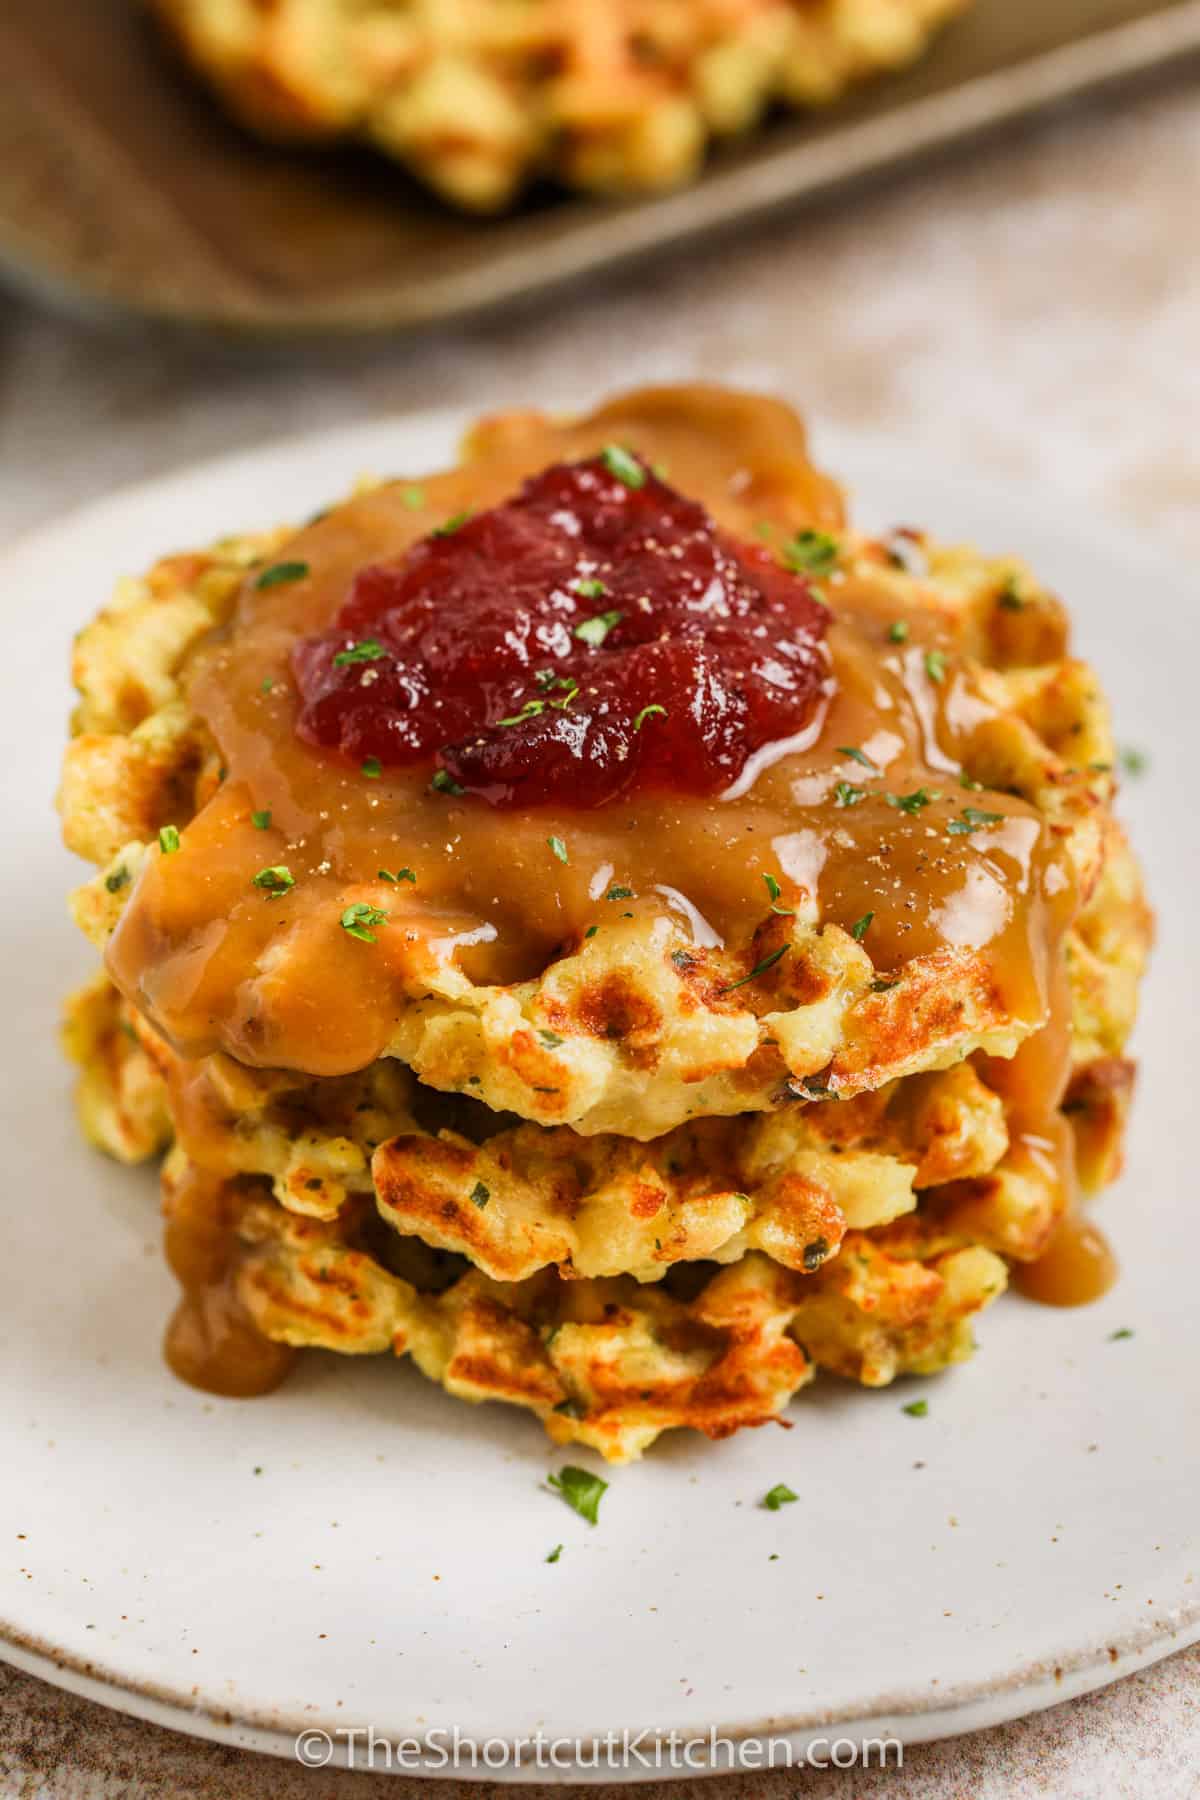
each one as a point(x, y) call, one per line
point(1029, 312)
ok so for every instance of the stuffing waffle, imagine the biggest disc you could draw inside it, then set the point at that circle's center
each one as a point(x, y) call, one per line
point(597, 1070)
point(477, 97)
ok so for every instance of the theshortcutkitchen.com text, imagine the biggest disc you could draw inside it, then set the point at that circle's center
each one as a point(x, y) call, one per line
point(361, 1747)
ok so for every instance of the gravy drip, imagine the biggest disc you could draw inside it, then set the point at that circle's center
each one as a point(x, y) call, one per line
point(196, 944)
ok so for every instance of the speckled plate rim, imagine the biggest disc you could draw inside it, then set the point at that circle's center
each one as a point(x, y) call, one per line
point(911, 1717)
point(911, 1714)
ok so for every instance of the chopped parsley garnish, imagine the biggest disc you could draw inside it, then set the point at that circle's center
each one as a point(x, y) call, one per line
point(860, 927)
point(810, 553)
point(768, 962)
point(357, 918)
point(649, 712)
point(1114, 1337)
point(444, 783)
point(1134, 762)
point(916, 1409)
point(912, 803)
point(369, 650)
point(550, 1038)
point(280, 572)
point(591, 931)
point(1010, 595)
point(275, 881)
point(413, 497)
point(449, 526)
point(898, 631)
point(846, 794)
point(559, 848)
point(935, 665)
point(480, 1195)
point(779, 1495)
point(168, 839)
point(372, 768)
point(268, 683)
point(261, 821)
point(774, 890)
point(883, 986)
point(973, 819)
point(858, 756)
point(966, 781)
point(555, 1553)
point(619, 893)
point(530, 710)
point(593, 631)
point(117, 879)
point(589, 588)
point(397, 875)
point(623, 465)
point(580, 1489)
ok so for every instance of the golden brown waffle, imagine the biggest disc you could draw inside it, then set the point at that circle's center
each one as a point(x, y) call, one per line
point(477, 96)
point(611, 1364)
point(660, 1179)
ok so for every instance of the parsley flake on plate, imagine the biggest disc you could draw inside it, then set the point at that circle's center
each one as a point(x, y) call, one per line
point(779, 1495)
point(580, 1489)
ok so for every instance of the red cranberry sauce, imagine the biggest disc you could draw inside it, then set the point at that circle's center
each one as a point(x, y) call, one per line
point(592, 635)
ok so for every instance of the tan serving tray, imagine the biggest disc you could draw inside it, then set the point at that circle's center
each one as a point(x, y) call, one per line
point(124, 190)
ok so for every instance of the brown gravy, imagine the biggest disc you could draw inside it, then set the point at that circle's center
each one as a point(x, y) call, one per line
point(1076, 1267)
point(194, 948)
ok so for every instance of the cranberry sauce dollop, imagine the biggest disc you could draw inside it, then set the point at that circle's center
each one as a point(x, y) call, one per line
point(592, 635)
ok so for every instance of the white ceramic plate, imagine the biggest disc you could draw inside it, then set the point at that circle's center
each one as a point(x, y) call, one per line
point(359, 1549)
